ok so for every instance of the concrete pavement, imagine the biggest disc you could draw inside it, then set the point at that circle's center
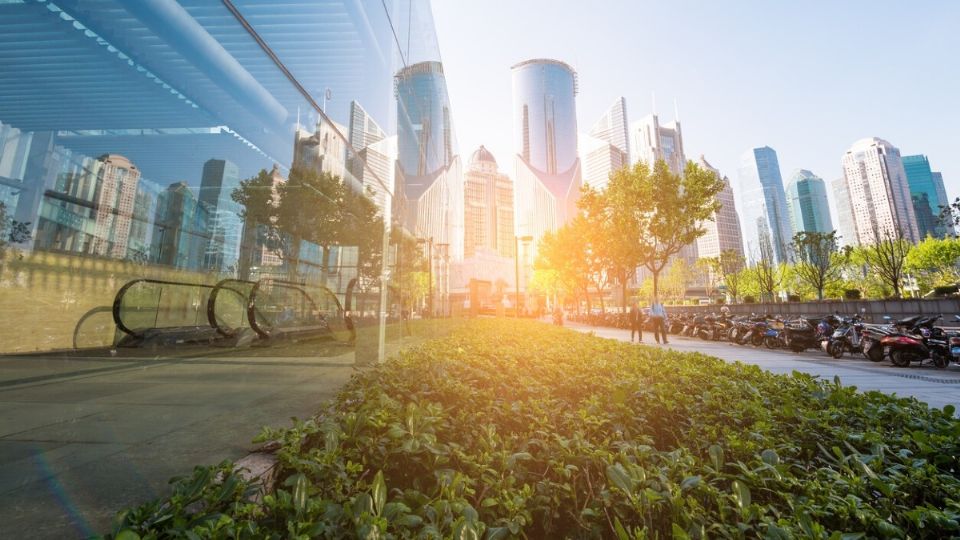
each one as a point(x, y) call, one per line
point(936, 387)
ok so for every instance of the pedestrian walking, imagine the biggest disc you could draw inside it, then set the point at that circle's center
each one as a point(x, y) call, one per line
point(658, 315)
point(636, 322)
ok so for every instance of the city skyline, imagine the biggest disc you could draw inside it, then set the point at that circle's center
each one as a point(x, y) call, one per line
point(811, 125)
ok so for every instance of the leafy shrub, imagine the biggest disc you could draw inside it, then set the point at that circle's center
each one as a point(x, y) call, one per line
point(749, 300)
point(793, 298)
point(852, 294)
point(519, 429)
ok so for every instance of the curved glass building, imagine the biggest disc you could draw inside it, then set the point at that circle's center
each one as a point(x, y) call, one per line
point(807, 203)
point(545, 136)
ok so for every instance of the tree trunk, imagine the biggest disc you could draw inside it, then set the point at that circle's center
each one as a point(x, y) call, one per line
point(656, 285)
point(623, 286)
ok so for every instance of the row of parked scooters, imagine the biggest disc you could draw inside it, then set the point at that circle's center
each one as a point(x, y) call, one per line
point(913, 340)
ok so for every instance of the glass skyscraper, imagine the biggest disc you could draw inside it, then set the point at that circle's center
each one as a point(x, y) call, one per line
point(927, 194)
point(763, 205)
point(807, 203)
point(548, 176)
point(147, 156)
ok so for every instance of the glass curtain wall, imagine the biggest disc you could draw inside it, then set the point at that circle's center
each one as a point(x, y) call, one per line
point(205, 227)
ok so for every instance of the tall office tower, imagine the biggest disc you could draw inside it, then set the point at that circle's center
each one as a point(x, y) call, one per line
point(600, 159)
point(879, 192)
point(652, 141)
point(946, 222)
point(429, 181)
point(548, 175)
point(224, 224)
point(723, 233)
point(807, 203)
point(141, 226)
point(488, 207)
point(323, 150)
point(613, 127)
point(763, 205)
point(116, 192)
point(927, 194)
point(181, 233)
point(845, 226)
point(373, 166)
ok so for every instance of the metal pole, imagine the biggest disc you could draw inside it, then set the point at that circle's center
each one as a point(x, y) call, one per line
point(516, 260)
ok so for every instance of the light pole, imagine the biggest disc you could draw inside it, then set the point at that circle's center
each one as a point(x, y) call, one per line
point(442, 277)
point(516, 258)
point(429, 242)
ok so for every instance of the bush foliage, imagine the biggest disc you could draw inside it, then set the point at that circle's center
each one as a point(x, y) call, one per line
point(516, 429)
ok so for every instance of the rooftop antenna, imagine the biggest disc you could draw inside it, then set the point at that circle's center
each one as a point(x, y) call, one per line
point(676, 111)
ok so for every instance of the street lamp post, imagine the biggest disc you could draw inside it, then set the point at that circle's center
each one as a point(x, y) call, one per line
point(516, 258)
point(429, 242)
point(442, 277)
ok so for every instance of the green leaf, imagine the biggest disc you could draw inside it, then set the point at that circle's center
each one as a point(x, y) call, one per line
point(679, 533)
point(497, 533)
point(618, 528)
point(410, 521)
point(619, 477)
point(949, 410)
point(716, 456)
point(690, 482)
point(488, 502)
point(770, 457)
point(378, 493)
point(127, 534)
point(300, 488)
point(741, 493)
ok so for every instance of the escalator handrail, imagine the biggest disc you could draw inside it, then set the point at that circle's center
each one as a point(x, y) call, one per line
point(251, 310)
point(211, 304)
point(118, 299)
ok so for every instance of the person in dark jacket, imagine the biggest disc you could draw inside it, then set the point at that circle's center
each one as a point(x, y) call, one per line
point(636, 322)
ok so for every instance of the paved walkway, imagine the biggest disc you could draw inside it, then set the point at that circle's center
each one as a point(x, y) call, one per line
point(936, 387)
point(84, 437)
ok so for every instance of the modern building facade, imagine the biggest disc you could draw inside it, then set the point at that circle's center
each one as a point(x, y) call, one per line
point(879, 193)
point(651, 141)
point(763, 206)
point(723, 232)
point(600, 159)
point(927, 194)
point(429, 179)
point(807, 203)
point(488, 207)
point(614, 128)
point(845, 226)
point(548, 172)
point(225, 226)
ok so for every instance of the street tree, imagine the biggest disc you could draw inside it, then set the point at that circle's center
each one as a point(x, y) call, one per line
point(730, 265)
point(934, 262)
point(766, 271)
point(662, 212)
point(613, 238)
point(819, 261)
point(886, 258)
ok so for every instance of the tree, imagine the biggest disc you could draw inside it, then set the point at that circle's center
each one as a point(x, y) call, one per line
point(767, 273)
point(677, 278)
point(709, 269)
point(612, 235)
point(731, 265)
point(562, 251)
point(934, 261)
point(11, 230)
point(819, 262)
point(886, 258)
point(660, 212)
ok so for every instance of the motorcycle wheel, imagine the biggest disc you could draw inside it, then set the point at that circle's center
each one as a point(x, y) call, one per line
point(874, 354)
point(757, 340)
point(899, 358)
point(940, 360)
point(835, 349)
point(771, 342)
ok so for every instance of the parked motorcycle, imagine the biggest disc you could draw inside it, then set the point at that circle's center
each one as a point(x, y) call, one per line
point(925, 342)
point(846, 337)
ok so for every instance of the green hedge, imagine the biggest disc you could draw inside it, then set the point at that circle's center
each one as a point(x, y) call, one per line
point(519, 429)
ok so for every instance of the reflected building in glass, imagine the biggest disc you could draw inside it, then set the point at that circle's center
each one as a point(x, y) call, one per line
point(767, 231)
point(807, 203)
point(429, 178)
point(548, 175)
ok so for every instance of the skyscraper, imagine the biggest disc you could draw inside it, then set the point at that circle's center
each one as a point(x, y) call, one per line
point(927, 195)
point(224, 224)
point(548, 175)
point(606, 148)
point(488, 207)
point(723, 233)
point(763, 205)
point(323, 150)
point(807, 203)
point(373, 166)
point(878, 191)
point(652, 141)
point(613, 127)
point(942, 195)
point(429, 182)
point(845, 226)
point(116, 194)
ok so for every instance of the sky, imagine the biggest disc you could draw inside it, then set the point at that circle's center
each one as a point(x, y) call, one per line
point(806, 78)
